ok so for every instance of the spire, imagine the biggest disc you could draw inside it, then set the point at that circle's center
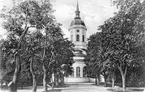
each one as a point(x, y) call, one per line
point(77, 12)
point(77, 6)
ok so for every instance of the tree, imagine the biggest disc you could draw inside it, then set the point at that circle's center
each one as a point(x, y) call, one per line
point(40, 46)
point(92, 56)
point(2, 72)
point(60, 59)
point(32, 49)
point(120, 44)
point(95, 56)
point(25, 75)
point(123, 37)
point(10, 54)
point(52, 34)
point(63, 58)
point(132, 55)
point(19, 19)
point(107, 52)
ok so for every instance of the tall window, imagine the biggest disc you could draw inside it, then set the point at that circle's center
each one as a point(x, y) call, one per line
point(71, 37)
point(78, 72)
point(83, 38)
point(77, 37)
point(77, 30)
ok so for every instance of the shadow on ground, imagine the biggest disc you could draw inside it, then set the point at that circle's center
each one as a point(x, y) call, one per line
point(137, 90)
point(54, 90)
point(103, 84)
point(128, 90)
point(63, 86)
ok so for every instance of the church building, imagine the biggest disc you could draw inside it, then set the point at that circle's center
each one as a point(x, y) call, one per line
point(77, 32)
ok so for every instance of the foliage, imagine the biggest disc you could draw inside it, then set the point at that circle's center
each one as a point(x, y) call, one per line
point(120, 43)
point(35, 34)
point(93, 58)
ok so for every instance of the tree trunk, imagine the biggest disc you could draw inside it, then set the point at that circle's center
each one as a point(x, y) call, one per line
point(34, 89)
point(62, 79)
point(97, 81)
point(123, 82)
point(22, 85)
point(123, 76)
point(56, 79)
point(113, 80)
point(45, 78)
point(105, 78)
point(52, 80)
point(13, 84)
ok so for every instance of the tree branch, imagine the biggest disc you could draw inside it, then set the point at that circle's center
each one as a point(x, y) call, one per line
point(43, 54)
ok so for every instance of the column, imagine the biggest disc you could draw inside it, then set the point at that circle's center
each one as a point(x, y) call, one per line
point(74, 71)
point(81, 71)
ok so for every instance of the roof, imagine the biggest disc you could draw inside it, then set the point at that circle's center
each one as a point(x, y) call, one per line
point(77, 21)
point(78, 53)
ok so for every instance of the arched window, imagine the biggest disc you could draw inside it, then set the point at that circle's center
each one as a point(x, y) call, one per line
point(78, 72)
point(77, 37)
point(71, 37)
point(83, 38)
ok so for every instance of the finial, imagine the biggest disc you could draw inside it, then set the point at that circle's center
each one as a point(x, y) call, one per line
point(77, 6)
point(77, 11)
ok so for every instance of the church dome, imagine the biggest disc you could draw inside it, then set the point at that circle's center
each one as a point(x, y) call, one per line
point(77, 21)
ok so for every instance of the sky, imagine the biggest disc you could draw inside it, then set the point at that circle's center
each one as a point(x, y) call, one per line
point(92, 12)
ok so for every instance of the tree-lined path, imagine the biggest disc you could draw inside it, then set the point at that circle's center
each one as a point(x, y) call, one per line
point(77, 87)
point(36, 52)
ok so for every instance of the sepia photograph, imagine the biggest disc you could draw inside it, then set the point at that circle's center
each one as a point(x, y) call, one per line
point(72, 45)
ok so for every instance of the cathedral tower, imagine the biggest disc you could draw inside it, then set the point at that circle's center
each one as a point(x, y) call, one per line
point(78, 31)
point(78, 37)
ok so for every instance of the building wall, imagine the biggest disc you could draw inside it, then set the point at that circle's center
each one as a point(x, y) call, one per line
point(78, 60)
point(73, 33)
point(81, 66)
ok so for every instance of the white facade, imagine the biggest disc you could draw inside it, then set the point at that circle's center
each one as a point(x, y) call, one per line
point(82, 36)
point(78, 37)
point(77, 32)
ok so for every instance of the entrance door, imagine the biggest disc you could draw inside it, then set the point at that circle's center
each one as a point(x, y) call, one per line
point(77, 71)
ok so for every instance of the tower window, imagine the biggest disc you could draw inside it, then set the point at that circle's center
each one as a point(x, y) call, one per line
point(83, 38)
point(78, 72)
point(71, 37)
point(77, 37)
point(77, 30)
